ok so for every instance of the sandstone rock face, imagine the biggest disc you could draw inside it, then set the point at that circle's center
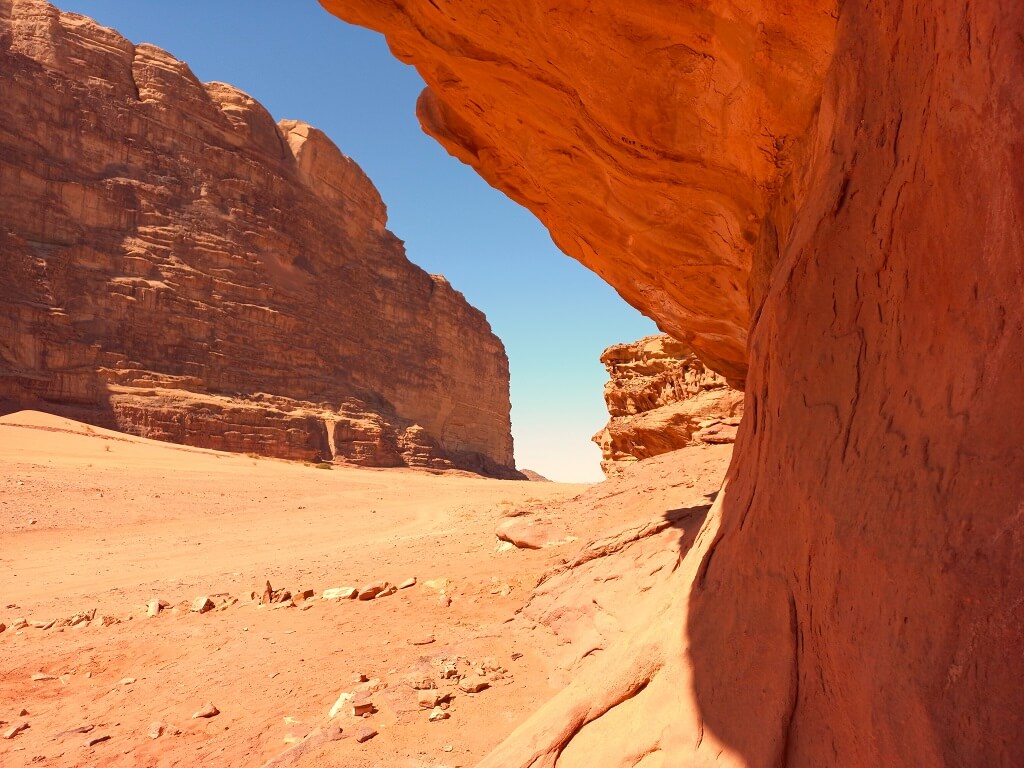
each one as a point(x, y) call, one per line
point(853, 595)
point(179, 266)
point(661, 398)
point(650, 137)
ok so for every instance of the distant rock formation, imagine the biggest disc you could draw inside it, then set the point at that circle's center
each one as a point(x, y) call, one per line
point(535, 477)
point(179, 266)
point(661, 398)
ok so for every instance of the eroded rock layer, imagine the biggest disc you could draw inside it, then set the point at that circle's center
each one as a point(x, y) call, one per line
point(179, 266)
point(853, 595)
point(650, 137)
point(661, 398)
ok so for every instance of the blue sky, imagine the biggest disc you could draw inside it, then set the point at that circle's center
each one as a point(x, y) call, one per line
point(554, 316)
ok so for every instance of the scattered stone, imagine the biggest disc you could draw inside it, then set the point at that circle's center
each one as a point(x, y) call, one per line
point(410, 582)
point(444, 600)
point(343, 699)
point(420, 683)
point(23, 713)
point(156, 606)
point(3, 627)
point(305, 594)
point(370, 591)
point(208, 710)
point(156, 730)
point(365, 734)
point(96, 740)
point(14, 730)
point(126, 681)
point(40, 677)
point(473, 684)
point(362, 704)
point(429, 699)
point(438, 585)
point(18, 624)
point(227, 603)
point(108, 621)
point(424, 640)
point(389, 591)
point(449, 671)
point(361, 678)
point(340, 593)
point(306, 606)
point(438, 714)
point(268, 595)
point(44, 624)
point(531, 534)
point(202, 604)
point(281, 596)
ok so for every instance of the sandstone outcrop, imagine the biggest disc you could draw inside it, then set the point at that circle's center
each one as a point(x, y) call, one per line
point(179, 266)
point(842, 179)
point(649, 137)
point(662, 398)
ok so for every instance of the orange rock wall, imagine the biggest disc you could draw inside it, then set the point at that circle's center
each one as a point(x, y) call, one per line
point(854, 596)
point(649, 137)
point(178, 265)
point(661, 398)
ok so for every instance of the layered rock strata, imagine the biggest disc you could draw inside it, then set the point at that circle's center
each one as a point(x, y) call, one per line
point(842, 180)
point(662, 398)
point(179, 266)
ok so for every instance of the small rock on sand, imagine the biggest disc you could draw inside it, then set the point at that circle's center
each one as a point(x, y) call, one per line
point(365, 734)
point(208, 710)
point(156, 730)
point(340, 593)
point(14, 730)
point(473, 684)
point(428, 699)
point(438, 714)
point(202, 604)
point(421, 640)
point(40, 677)
point(370, 591)
point(94, 740)
point(410, 582)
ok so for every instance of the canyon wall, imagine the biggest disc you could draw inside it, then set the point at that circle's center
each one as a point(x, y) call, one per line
point(660, 398)
point(179, 266)
point(843, 181)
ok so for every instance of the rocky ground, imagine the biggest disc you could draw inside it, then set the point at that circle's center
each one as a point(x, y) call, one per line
point(141, 629)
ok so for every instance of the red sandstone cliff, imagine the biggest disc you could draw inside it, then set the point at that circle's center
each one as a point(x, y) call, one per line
point(661, 398)
point(825, 200)
point(179, 266)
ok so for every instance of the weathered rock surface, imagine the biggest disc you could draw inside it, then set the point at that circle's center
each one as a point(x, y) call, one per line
point(179, 266)
point(845, 176)
point(661, 398)
point(649, 137)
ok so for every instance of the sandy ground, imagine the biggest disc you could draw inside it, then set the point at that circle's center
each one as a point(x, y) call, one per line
point(91, 519)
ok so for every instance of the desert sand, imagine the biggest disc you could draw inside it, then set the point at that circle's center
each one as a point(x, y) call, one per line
point(98, 520)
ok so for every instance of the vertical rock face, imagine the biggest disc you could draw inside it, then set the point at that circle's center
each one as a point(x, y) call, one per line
point(854, 595)
point(661, 398)
point(178, 265)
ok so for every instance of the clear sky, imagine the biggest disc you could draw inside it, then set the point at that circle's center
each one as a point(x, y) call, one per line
point(554, 316)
